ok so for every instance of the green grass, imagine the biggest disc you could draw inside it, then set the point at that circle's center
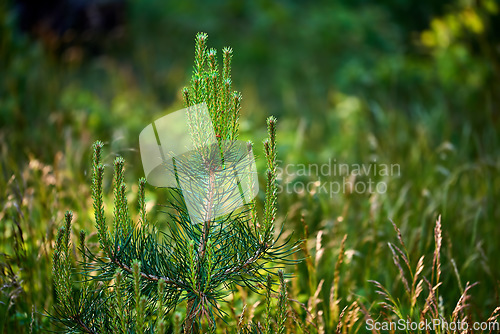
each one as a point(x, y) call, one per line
point(367, 96)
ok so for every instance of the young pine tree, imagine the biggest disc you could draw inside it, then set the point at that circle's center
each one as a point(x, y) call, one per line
point(138, 277)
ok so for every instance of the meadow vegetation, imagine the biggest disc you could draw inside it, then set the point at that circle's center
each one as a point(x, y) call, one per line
point(415, 85)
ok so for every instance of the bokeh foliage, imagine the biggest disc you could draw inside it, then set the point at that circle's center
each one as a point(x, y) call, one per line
point(412, 83)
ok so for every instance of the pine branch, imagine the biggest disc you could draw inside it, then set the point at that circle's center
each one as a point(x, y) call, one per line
point(270, 206)
point(139, 300)
point(120, 322)
point(142, 201)
point(160, 309)
point(85, 283)
point(97, 179)
point(146, 276)
point(122, 222)
point(83, 326)
point(282, 304)
point(269, 284)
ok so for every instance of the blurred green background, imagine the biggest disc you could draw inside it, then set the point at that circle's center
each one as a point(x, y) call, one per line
point(414, 83)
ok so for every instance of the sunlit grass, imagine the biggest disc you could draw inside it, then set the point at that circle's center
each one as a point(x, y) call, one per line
point(438, 129)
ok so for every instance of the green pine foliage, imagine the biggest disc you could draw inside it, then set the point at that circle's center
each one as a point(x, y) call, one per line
point(140, 275)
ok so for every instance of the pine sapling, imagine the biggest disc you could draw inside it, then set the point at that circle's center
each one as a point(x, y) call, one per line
point(142, 277)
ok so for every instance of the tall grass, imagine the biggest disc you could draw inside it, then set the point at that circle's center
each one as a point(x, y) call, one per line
point(355, 102)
